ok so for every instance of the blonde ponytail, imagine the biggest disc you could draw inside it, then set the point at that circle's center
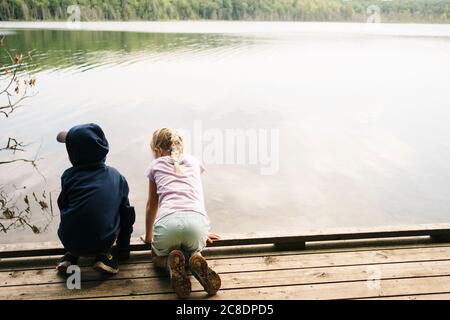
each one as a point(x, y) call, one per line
point(169, 141)
point(176, 148)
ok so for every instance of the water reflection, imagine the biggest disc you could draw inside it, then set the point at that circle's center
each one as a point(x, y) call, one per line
point(363, 119)
point(82, 51)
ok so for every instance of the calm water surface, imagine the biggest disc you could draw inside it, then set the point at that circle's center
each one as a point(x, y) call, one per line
point(362, 113)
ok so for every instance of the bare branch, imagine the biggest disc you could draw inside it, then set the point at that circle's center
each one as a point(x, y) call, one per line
point(17, 160)
point(13, 212)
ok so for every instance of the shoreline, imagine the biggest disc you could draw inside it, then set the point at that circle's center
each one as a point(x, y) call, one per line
point(237, 27)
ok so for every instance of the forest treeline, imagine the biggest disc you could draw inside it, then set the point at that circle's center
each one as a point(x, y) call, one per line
point(430, 11)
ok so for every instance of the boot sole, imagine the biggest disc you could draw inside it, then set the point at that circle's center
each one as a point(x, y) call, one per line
point(179, 279)
point(207, 277)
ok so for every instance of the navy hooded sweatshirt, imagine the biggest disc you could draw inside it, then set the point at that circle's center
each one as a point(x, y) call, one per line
point(94, 205)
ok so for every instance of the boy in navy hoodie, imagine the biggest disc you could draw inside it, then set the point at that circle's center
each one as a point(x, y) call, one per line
point(94, 205)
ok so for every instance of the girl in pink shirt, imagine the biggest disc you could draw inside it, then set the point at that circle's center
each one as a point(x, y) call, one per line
point(177, 225)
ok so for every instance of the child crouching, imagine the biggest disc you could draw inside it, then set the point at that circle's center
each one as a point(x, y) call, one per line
point(177, 224)
point(94, 205)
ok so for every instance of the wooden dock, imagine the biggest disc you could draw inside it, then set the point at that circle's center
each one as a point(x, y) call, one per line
point(383, 263)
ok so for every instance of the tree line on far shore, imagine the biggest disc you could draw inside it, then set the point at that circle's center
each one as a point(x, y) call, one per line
point(427, 11)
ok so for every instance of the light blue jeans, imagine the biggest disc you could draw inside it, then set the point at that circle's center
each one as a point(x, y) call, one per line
point(182, 230)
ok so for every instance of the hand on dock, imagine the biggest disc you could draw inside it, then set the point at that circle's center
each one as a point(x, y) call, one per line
point(212, 237)
point(143, 239)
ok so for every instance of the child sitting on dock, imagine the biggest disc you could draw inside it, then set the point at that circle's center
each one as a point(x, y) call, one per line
point(94, 205)
point(177, 224)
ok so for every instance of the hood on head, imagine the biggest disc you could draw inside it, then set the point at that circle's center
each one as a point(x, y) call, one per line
point(86, 144)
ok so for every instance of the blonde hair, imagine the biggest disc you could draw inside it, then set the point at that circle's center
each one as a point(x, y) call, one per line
point(169, 140)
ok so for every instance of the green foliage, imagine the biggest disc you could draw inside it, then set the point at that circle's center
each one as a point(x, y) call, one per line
point(432, 11)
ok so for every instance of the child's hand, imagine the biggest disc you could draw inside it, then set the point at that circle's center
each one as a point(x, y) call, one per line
point(145, 240)
point(212, 237)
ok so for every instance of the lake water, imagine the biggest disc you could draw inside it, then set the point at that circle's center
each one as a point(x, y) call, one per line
point(356, 116)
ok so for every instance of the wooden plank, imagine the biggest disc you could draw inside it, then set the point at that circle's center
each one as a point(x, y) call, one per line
point(247, 264)
point(50, 248)
point(18, 277)
point(48, 262)
point(321, 247)
point(325, 291)
point(243, 280)
point(262, 250)
point(435, 230)
point(433, 296)
point(343, 290)
point(47, 276)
